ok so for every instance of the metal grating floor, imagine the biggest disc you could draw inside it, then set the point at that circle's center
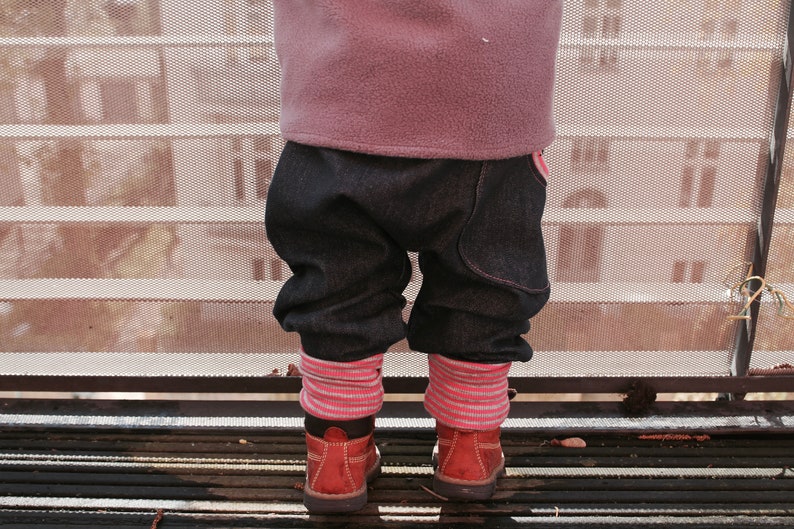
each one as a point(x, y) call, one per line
point(218, 479)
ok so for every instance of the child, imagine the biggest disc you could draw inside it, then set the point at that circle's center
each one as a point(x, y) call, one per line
point(412, 125)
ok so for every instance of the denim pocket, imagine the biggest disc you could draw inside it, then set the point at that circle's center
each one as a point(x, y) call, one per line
point(502, 240)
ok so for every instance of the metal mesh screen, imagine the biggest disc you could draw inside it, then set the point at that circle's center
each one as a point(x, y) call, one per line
point(138, 138)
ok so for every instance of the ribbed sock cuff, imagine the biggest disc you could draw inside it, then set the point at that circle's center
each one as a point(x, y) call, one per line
point(467, 395)
point(341, 391)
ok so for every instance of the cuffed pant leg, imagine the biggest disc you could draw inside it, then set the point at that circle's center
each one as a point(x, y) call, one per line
point(481, 287)
point(345, 296)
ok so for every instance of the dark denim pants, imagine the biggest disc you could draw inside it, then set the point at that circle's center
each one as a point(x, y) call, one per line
point(344, 221)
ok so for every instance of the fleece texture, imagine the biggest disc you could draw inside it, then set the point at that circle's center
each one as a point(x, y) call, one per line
point(465, 79)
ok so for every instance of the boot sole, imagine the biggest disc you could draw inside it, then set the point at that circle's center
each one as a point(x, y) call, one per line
point(319, 503)
point(467, 490)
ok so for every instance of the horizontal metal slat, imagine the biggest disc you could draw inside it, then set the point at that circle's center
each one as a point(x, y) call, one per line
point(139, 290)
point(255, 215)
point(542, 418)
point(635, 40)
point(557, 365)
point(163, 290)
point(662, 41)
point(132, 131)
point(29, 131)
point(131, 215)
point(189, 40)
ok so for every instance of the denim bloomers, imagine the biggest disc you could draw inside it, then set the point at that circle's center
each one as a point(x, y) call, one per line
point(344, 222)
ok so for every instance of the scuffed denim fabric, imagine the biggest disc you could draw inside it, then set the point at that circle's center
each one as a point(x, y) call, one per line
point(344, 221)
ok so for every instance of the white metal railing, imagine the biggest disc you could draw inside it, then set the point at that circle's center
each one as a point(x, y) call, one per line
point(266, 291)
point(404, 364)
point(185, 40)
point(30, 131)
point(150, 289)
point(656, 41)
point(638, 40)
point(255, 215)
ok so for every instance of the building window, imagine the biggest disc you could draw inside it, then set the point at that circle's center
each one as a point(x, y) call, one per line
point(720, 25)
point(581, 246)
point(258, 266)
point(239, 180)
point(264, 174)
point(699, 175)
point(250, 18)
point(253, 160)
point(132, 17)
point(590, 155)
point(689, 271)
point(708, 181)
point(123, 15)
point(603, 20)
point(276, 269)
point(259, 22)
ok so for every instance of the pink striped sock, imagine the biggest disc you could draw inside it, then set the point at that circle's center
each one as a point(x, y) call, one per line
point(341, 391)
point(467, 395)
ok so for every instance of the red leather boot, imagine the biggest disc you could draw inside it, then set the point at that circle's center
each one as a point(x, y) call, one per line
point(469, 462)
point(338, 470)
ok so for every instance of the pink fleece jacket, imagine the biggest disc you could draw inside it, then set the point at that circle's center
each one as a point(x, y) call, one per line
point(467, 79)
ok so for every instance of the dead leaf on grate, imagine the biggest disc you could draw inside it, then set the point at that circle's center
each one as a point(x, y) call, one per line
point(298, 486)
point(570, 442)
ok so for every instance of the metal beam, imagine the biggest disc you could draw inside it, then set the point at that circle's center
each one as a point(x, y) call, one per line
point(393, 385)
point(746, 334)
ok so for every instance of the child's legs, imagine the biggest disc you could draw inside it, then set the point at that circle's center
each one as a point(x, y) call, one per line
point(345, 296)
point(342, 222)
point(481, 287)
point(478, 294)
